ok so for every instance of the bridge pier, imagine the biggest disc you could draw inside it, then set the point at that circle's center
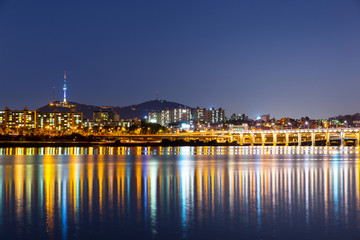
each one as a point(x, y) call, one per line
point(327, 137)
point(252, 138)
point(274, 139)
point(342, 142)
point(357, 144)
point(286, 139)
point(299, 139)
point(241, 139)
point(263, 139)
point(313, 143)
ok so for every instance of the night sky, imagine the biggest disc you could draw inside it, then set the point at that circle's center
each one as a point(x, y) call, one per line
point(286, 58)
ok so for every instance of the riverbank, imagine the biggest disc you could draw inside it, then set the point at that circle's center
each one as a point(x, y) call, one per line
point(164, 143)
point(117, 143)
point(51, 144)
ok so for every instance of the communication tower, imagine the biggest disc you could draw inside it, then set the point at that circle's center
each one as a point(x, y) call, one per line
point(65, 87)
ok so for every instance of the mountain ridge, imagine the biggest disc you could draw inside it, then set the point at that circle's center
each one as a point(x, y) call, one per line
point(126, 112)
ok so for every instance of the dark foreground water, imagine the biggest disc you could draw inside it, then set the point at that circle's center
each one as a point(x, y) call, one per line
point(180, 193)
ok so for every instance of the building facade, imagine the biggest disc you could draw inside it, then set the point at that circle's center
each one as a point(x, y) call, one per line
point(166, 117)
point(181, 115)
point(154, 117)
point(169, 116)
point(25, 120)
point(18, 120)
point(186, 115)
point(217, 115)
point(265, 117)
point(202, 115)
point(59, 122)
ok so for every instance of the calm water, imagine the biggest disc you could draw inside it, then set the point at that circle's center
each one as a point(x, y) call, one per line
point(180, 193)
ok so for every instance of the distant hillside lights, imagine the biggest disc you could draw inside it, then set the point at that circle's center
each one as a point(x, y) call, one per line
point(105, 116)
point(106, 120)
point(62, 104)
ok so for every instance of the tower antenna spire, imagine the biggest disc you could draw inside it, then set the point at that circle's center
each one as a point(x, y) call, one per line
point(157, 95)
point(65, 87)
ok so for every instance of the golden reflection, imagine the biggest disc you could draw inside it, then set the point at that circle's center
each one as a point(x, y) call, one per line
point(120, 175)
point(90, 184)
point(138, 179)
point(101, 182)
point(19, 174)
point(206, 150)
point(67, 188)
point(49, 190)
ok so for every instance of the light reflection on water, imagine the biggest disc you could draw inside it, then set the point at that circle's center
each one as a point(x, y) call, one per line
point(204, 150)
point(180, 192)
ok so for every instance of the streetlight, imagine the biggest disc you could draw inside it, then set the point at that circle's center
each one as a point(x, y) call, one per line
point(307, 124)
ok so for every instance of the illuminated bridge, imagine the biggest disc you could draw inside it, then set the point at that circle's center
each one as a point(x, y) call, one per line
point(299, 137)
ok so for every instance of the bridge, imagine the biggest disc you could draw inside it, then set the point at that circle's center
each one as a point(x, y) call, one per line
point(296, 137)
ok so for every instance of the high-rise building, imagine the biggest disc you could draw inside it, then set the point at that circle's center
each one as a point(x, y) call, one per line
point(217, 115)
point(154, 117)
point(265, 118)
point(185, 115)
point(182, 115)
point(166, 117)
point(202, 115)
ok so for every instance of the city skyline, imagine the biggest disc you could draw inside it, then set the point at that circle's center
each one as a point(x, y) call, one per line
point(228, 115)
point(252, 58)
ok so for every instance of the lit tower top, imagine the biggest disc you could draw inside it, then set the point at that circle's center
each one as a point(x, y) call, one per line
point(65, 87)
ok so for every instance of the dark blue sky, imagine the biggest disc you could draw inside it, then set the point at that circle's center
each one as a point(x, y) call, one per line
point(286, 58)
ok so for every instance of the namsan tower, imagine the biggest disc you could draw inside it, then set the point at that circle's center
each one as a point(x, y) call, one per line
point(65, 88)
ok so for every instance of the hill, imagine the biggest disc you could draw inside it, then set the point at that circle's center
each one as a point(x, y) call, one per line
point(127, 112)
